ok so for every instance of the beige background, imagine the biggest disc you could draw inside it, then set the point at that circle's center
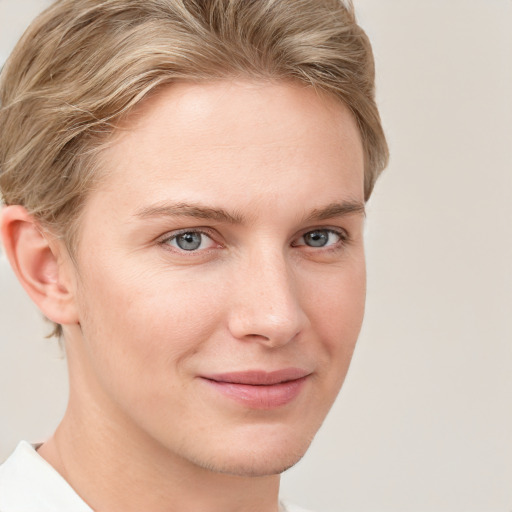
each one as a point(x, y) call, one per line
point(424, 422)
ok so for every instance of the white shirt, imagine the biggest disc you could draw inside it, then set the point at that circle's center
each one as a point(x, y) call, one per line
point(29, 484)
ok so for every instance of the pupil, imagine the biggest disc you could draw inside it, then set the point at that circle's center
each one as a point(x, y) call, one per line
point(316, 238)
point(189, 241)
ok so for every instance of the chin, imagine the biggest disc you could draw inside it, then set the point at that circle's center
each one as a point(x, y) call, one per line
point(261, 456)
point(254, 466)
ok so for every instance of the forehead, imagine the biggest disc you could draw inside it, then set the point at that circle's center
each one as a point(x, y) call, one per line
point(237, 109)
point(258, 136)
point(230, 103)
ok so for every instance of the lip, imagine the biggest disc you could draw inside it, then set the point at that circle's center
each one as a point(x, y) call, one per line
point(259, 389)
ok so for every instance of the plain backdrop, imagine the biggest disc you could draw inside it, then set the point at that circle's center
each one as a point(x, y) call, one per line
point(424, 421)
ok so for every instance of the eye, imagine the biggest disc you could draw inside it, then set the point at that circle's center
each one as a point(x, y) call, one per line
point(189, 241)
point(320, 238)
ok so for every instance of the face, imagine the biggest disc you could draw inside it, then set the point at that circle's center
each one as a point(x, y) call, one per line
point(221, 275)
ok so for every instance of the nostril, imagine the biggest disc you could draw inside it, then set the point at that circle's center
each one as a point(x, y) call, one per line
point(257, 336)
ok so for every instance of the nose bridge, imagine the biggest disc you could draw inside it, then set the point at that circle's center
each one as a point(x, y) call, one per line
point(267, 307)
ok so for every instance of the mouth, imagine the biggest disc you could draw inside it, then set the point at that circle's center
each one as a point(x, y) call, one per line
point(259, 389)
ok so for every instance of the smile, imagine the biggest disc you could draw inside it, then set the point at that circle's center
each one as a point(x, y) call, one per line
point(259, 389)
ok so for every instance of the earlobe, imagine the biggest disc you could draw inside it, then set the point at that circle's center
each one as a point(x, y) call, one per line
point(40, 263)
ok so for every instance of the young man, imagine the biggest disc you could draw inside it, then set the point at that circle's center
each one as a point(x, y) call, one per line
point(184, 185)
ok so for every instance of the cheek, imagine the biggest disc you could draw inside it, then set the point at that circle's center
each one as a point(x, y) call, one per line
point(339, 299)
point(144, 324)
point(336, 313)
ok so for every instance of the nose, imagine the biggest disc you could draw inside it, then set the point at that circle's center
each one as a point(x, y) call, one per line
point(266, 306)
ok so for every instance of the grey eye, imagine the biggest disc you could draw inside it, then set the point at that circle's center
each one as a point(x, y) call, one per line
point(189, 241)
point(318, 238)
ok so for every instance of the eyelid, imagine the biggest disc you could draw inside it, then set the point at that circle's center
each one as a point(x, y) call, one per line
point(342, 233)
point(172, 235)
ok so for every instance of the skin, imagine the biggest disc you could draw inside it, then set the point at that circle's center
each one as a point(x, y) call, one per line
point(264, 169)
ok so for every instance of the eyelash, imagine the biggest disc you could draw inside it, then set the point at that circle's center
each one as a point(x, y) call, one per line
point(342, 234)
point(169, 238)
point(344, 239)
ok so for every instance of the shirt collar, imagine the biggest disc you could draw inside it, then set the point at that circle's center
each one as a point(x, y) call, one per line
point(29, 483)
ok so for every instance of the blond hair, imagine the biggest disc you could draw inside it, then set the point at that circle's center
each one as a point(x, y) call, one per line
point(83, 64)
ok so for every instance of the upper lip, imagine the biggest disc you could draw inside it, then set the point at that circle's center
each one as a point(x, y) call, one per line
point(259, 377)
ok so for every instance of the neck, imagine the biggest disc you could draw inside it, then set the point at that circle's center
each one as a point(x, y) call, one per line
point(113, 465)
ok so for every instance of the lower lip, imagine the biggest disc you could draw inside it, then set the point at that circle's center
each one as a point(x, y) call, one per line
point(260, 397)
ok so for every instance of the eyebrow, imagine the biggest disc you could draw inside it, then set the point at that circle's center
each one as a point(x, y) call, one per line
point(190, 210)
point(197, 211)
point(337, 210)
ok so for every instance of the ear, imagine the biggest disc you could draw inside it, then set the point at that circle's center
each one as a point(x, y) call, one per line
point(41, 263)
